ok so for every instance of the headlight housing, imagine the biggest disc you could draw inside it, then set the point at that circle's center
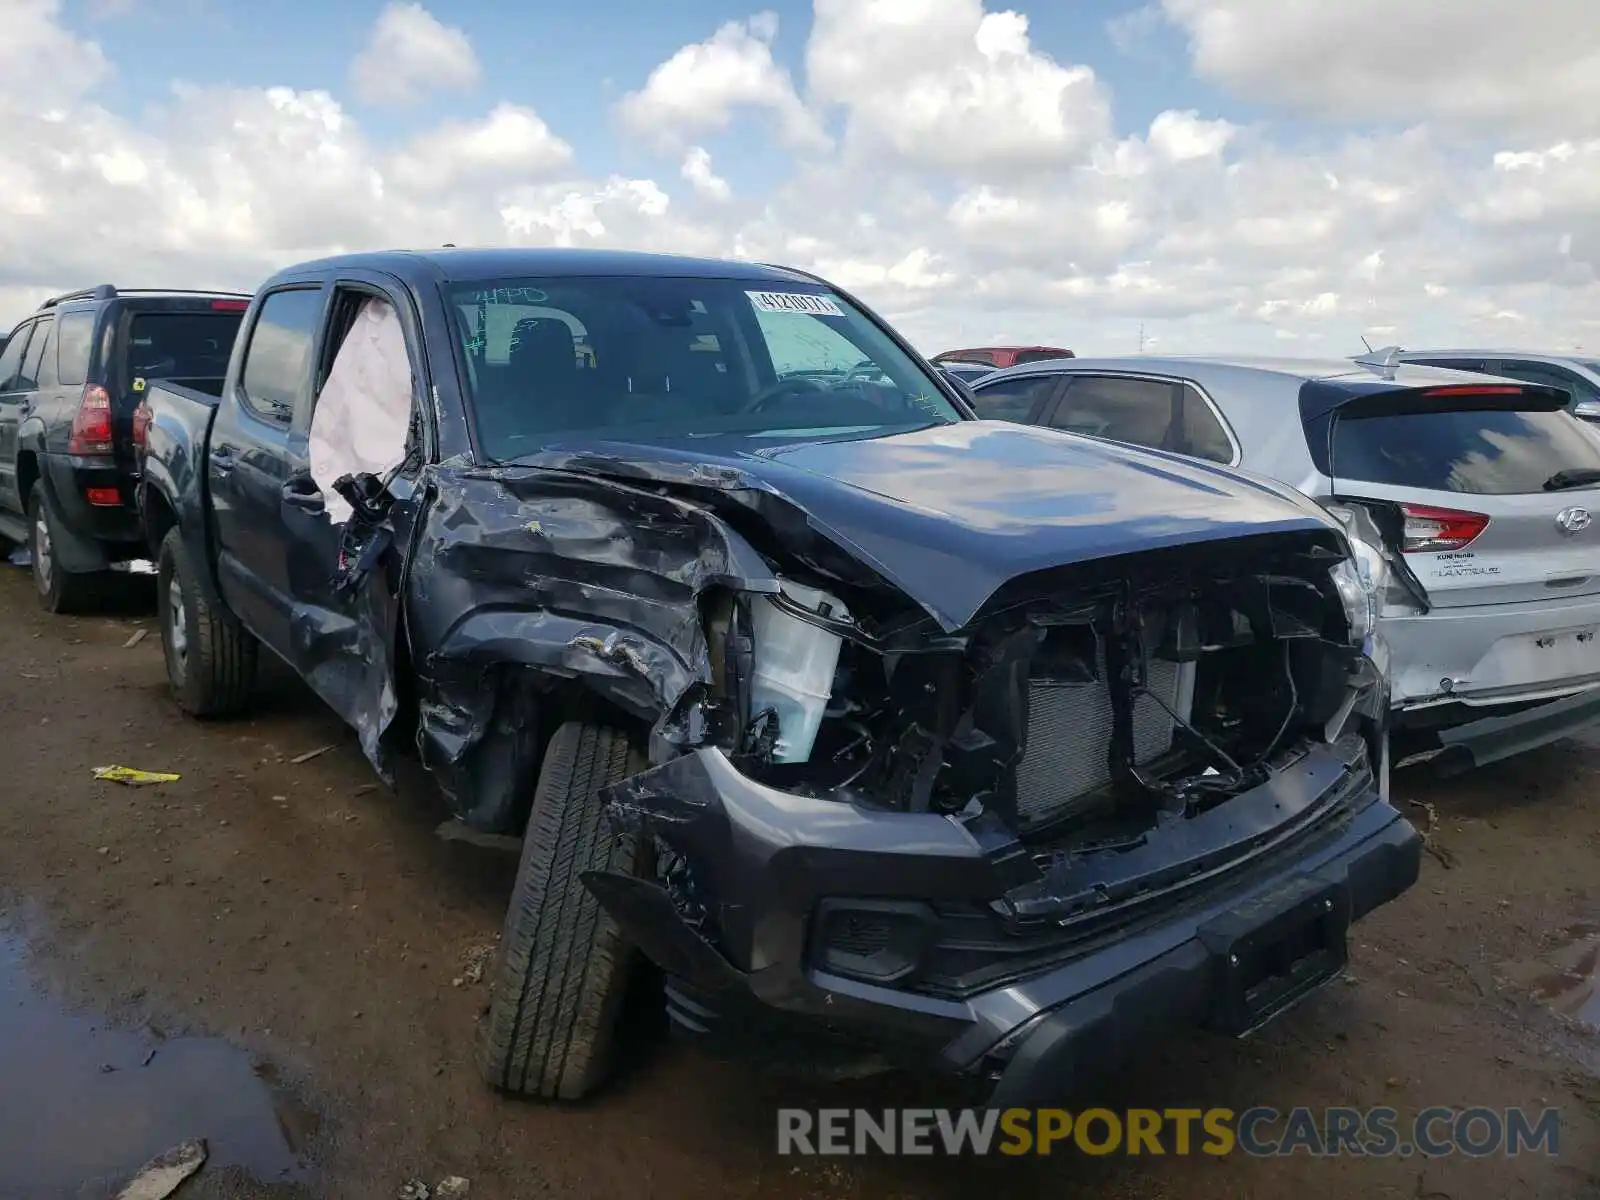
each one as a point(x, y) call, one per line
point(1360, 603)
point(1362, 579)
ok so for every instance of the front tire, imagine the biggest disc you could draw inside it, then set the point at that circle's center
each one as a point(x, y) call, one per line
point(211, 658)
point(563, 963)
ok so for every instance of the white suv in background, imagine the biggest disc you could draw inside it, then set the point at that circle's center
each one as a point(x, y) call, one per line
point(1469, 501)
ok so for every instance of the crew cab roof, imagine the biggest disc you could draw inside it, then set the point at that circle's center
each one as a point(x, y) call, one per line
point(451, 265)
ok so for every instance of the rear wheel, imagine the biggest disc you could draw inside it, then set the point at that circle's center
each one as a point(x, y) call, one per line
point(211, 658)
point(58, 590)
point(563, 963)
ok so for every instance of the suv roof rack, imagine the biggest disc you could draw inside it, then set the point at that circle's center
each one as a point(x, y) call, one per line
point(106, 291)
point(103, 291)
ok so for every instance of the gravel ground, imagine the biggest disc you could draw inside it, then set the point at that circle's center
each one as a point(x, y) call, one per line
point(278, 957)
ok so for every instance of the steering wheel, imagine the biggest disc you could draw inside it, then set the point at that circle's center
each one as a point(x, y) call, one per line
point(791, 385)
point(864, 369)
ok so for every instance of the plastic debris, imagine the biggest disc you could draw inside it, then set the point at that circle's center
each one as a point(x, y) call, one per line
point(477, 961)
point(163, 1174)
point(20, 557)
point(309, 755)
point(134, 777)
point(415, 1190)
point(138, 636)
point(452, 1185)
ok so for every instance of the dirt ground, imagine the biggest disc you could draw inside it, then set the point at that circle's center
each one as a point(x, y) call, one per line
point(278, 956)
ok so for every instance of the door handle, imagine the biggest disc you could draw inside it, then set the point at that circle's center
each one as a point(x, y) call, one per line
point(303, 494)
point(222, 459)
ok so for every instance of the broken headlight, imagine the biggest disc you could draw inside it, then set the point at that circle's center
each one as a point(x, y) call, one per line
point(794, 661)
point(1359, 580)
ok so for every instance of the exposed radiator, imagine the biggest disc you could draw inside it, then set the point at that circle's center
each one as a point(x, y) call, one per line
point(1069, 737)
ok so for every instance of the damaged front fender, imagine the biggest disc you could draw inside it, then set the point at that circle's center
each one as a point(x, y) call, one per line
point(521, 580)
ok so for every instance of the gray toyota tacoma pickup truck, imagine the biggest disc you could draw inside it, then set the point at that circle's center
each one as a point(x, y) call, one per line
point(894, 738)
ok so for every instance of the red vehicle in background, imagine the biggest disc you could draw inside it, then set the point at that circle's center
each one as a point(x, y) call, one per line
point(1003, 356)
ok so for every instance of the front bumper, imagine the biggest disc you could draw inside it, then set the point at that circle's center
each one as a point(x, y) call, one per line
point(1089, 958)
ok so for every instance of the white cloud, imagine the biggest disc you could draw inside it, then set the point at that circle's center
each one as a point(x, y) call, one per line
point(979, 192)
point(37, 54)
point(947, 85)
point(411, 55)
point(1131, 31)
point(702, 86)
point(697, 170)
point(1529, 66)
point(511, 142)
point(1180, 136)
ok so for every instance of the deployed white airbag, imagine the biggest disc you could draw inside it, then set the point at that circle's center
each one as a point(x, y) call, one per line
point(362, 415)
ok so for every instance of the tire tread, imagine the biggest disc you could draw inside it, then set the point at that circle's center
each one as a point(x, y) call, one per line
point(223, 656)
point(563, 962)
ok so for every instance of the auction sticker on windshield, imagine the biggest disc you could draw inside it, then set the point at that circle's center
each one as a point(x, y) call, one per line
point(804, 303)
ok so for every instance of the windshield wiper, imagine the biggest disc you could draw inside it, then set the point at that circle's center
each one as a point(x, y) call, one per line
point(1563, 480)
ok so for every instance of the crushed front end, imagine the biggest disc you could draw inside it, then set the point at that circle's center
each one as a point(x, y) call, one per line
point(1126, 796)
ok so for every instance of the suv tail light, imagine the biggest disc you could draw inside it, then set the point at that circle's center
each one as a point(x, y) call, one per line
point(1430, 529)
point(91, 426)
point(141, 424)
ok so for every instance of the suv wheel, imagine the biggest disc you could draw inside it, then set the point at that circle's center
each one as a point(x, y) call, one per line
point(59, 591)
point(211, 658)
point(563, 964)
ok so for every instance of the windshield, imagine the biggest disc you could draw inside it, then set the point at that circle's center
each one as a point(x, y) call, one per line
point(644, 357)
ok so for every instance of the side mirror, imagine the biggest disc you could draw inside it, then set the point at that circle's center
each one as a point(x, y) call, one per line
point(1589, 410)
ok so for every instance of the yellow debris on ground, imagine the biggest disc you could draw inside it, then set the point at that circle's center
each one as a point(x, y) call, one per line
point(134, 777)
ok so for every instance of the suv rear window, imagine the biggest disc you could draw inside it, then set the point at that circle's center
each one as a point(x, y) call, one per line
point(1485, 452)
point(181, 345)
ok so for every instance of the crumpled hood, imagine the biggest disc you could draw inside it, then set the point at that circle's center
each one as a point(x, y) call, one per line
point(950, 513)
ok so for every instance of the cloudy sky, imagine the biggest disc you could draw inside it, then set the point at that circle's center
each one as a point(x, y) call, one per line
point(1273, 175)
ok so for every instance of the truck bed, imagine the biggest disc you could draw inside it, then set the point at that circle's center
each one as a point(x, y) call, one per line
point(172, 456)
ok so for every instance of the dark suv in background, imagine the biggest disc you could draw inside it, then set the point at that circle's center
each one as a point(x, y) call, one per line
point(71, 376)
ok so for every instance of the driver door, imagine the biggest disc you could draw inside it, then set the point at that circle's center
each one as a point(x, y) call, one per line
point(363, 412)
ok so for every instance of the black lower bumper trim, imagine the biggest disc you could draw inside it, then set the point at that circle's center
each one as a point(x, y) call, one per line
point(1195, 985)
point(1489, 739)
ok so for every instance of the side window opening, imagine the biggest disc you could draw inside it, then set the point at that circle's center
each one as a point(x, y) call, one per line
point(1157, 413)
point(1013, 399)
point(11, 359)
point(1199, 432)
point(74, 340)
point(1138, 411)
point(47, 359)
point(364, 418)
point(277, 365)
point(28, 376)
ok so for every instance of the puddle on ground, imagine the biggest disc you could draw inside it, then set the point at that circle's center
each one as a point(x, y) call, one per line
point(1569, 980)
point(84, 1106)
